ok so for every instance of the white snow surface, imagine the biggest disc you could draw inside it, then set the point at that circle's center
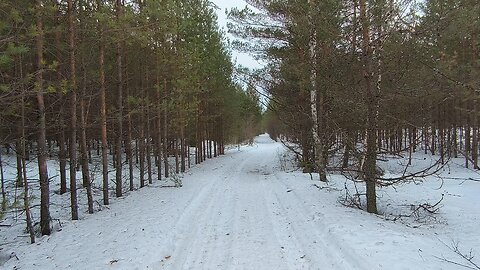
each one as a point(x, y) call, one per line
point(243, 210)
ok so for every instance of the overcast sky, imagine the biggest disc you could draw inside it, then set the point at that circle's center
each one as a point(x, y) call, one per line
point(241, 58)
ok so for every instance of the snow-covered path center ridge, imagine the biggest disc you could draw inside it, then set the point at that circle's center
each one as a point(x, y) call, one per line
point(238, 222)
point(239, 211)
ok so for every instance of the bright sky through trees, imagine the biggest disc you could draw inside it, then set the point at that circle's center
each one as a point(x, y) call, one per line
point(240, 58)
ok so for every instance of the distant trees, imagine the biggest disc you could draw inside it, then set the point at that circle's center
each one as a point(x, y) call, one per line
point(134, 83)
point(362, 78)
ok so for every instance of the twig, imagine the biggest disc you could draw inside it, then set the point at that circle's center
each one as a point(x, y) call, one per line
point(467, 257)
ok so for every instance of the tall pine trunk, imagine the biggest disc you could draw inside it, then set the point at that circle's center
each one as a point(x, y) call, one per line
point(148, 146)
point(83, 143)
point(103, 117)
point(475, 133)
point(371, 136)
point(165, 133)
point(23, 169)
point(118, 152)
point(73, 120)
point(142, 140)
point(42, 133)
point(159, 129)
point(62, 155)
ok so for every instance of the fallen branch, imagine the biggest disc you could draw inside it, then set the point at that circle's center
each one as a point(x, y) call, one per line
point(467, 257)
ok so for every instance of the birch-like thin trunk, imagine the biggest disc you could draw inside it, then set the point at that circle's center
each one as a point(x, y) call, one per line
point(317, 138)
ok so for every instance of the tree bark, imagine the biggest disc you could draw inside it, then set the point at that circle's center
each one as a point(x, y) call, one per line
point(23, 171)
point(142, 140)
point(159, 129)
point(149, 148)
point(165, 134)
point(2, 180)
point(42, 133)
point(73, 120)
point(370, 99)
point(128, 142)
point(83, 140)
point(103, 117)
point(316, 128)
point(62, 155)
point(118, 152)
point(475, 105)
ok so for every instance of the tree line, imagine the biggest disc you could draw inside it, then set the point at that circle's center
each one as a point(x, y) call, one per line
point(144, 88)
point(363, 78)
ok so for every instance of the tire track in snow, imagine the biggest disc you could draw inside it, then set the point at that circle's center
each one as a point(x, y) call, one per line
point(256, 246)
point(292, 248)
point(213, 250)
point(186, 235)
point(338, 256)
point(246, 199)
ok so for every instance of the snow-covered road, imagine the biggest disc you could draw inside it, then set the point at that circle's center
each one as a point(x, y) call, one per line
point(240, 221)
point(238, 211)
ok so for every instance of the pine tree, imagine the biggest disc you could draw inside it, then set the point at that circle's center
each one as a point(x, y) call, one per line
point(42, 148)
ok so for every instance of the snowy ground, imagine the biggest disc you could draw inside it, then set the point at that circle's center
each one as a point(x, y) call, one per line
point(245, 211)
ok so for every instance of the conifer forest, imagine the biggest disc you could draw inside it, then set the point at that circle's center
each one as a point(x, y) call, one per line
point(239, 134)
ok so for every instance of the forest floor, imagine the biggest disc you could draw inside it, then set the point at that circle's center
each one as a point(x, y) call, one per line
point(250, 209)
